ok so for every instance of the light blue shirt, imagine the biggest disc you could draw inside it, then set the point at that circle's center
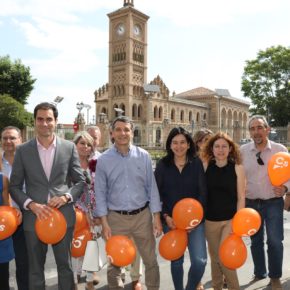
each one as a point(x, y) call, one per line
point(6, 169)
point(125, 182)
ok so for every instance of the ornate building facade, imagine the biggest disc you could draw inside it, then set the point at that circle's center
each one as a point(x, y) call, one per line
point(151, 106)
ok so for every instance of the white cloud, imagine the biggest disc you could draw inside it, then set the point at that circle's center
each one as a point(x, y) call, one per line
point(62, 10)
point(208, 12)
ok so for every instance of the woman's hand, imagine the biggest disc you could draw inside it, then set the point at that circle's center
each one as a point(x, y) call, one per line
point(170, 222)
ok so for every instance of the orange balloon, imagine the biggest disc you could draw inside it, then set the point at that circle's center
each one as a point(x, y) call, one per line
point(81, 220)
point(80, 241)
point(53, 229)
point(279, 168)
point(173, 244)
point(246, 222)
point(233, 252)
point(187, 213)
point(8, 221)
point(16, 215)
point(120, 250)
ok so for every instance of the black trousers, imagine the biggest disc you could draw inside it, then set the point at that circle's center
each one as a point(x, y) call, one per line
point(4, 276)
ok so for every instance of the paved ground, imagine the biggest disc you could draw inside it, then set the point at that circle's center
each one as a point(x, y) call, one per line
point(244, 273)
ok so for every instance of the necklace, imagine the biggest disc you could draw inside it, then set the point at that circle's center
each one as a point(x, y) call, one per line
point(181, 165)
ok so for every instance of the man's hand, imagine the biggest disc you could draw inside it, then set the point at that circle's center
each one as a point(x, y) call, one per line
point(58, 201)
point(170, 222)
point(106, 230)
point(97, 221)
point(42, 211)
point(280, 190)
point(157, 225)
point(19, 215)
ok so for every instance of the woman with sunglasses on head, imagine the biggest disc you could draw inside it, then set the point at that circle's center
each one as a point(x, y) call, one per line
point(225, 179)
point(180, 175)
point(85, 144)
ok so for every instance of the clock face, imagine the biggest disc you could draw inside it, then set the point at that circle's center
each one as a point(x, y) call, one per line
point(137, 30)
point(120, 30)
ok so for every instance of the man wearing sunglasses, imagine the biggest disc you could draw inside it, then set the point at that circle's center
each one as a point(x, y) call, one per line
point(266, 199)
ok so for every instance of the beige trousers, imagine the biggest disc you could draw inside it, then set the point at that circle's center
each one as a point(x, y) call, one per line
point(140, 228)
point(215, 233)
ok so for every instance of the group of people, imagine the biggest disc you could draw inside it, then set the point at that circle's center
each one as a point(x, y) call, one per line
point(119, 190)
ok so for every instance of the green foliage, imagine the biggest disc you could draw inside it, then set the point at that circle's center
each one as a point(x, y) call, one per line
point(69, 135)
point(157, 154)
point(12, 113)
point(266, 81)
point(15, 79)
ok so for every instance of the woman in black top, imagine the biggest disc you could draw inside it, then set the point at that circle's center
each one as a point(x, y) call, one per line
point(180, 175)
point(225, 179)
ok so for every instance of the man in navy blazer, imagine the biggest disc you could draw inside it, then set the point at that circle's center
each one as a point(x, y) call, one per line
point(50, 168)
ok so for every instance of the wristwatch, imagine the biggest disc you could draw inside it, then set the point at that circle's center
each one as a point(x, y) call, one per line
point(67, 198)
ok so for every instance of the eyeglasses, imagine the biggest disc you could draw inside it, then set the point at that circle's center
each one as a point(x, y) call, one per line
point(259, 159)
point(9, 138)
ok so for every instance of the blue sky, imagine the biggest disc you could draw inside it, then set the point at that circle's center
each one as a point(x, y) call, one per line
point(190, 43)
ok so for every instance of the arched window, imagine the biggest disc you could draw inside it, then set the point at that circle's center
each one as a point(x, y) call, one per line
point(158, 136)
point(172, 115)
point(134, 111)
point(139, 111)
point(115, 107)
point(190, 117)
point(182, 116)
point(122, 106)
point(155, 116)
point(197, 118)
point(160, 113)
point(137, 136)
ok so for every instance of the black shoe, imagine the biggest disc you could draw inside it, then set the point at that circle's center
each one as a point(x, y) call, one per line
point(256, 279)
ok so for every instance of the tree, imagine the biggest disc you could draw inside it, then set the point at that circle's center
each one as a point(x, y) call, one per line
point(12, 113)
point(266, 81)
point(15, 79)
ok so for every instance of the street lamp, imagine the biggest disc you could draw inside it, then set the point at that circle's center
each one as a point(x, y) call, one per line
point(80, 106)
point(88, 107)
point(119, 111)
point(57, 100)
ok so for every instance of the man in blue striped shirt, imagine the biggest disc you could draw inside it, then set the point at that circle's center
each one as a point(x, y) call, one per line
point(127, 198)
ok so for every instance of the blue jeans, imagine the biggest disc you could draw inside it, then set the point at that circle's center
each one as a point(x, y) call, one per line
point(271, 212)
point(198, 258)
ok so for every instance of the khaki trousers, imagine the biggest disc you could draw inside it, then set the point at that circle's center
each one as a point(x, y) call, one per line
point(140, 228)
point(215, 233)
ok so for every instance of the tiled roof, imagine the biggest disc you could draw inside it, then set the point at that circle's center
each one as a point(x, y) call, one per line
point(198, 92)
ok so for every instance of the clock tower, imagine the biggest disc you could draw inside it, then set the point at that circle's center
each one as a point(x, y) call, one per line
point(127, 61)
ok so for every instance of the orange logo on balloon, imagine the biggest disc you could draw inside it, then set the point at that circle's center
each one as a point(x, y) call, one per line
point(120, 250)
point(80, 241)
point(279, 168)
point(233, 252)
point(53, 229)
point(246, 222)
point(8, 221)
point(173, 244)
point(187, 213)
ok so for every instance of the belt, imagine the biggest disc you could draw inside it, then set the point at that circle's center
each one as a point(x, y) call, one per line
point(259, 200)
point(132, 212)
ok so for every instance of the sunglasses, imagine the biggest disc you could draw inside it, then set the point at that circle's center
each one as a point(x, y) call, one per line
point(259, 159)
